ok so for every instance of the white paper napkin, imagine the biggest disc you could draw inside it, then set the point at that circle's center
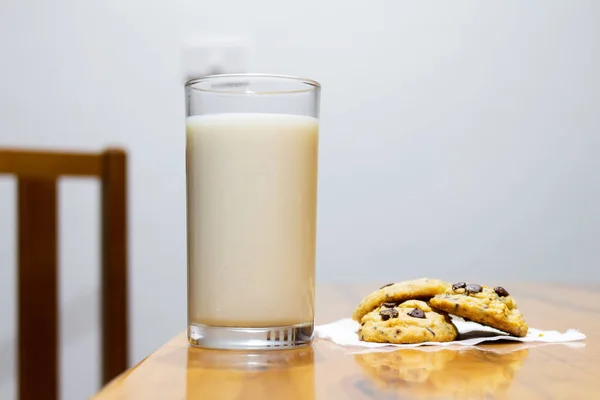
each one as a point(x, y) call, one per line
point(343, 332)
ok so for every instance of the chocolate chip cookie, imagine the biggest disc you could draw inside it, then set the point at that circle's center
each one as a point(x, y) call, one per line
point(421, 289)
point(412, 321)
point(488, 306)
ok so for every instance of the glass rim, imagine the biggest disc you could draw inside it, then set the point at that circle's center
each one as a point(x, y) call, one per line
point(312, 84)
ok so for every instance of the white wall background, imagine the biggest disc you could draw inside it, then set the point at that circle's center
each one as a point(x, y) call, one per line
point(459, 139)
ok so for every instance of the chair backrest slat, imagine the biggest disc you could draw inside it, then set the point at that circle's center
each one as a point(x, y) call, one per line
point(49, 163)
point(37, 288)
point(114, 259)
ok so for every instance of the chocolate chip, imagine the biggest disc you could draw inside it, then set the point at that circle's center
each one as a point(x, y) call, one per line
point(388, 313)
point(456, 305)
point(362, 324)
point(389, 305)
point(384, 286)
point(398, 331)
point(416, 313)
point(473, 288)
point(458, 285)
point(430, 331)
point(500, 291)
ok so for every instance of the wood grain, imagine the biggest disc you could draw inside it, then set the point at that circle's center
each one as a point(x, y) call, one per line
point(328, 371)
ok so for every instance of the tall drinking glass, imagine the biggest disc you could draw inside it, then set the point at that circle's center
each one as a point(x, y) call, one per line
point(251, 160)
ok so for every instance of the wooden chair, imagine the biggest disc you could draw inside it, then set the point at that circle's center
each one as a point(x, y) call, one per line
point(37, 173)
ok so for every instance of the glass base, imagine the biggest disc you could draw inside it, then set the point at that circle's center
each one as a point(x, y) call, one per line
point(269, 338)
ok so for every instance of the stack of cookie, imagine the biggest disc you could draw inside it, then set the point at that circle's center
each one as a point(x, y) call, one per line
point(417, 311)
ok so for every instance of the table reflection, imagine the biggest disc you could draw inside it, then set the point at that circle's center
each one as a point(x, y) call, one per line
point(468, 373)
point(251, 375)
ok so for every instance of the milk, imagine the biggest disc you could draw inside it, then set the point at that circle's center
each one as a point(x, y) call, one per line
point(252, 190)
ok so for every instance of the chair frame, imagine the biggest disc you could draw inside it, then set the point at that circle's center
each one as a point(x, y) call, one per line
point(37, 173)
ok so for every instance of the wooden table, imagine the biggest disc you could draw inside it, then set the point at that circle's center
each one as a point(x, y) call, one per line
point(327, 371)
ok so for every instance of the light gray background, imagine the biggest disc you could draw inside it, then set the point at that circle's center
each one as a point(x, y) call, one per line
point(459, 140)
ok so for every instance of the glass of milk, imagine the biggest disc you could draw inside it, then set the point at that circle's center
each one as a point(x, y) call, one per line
point(251, 161)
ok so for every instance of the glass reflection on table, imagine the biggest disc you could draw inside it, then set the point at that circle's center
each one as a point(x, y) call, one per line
point(246, 374)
